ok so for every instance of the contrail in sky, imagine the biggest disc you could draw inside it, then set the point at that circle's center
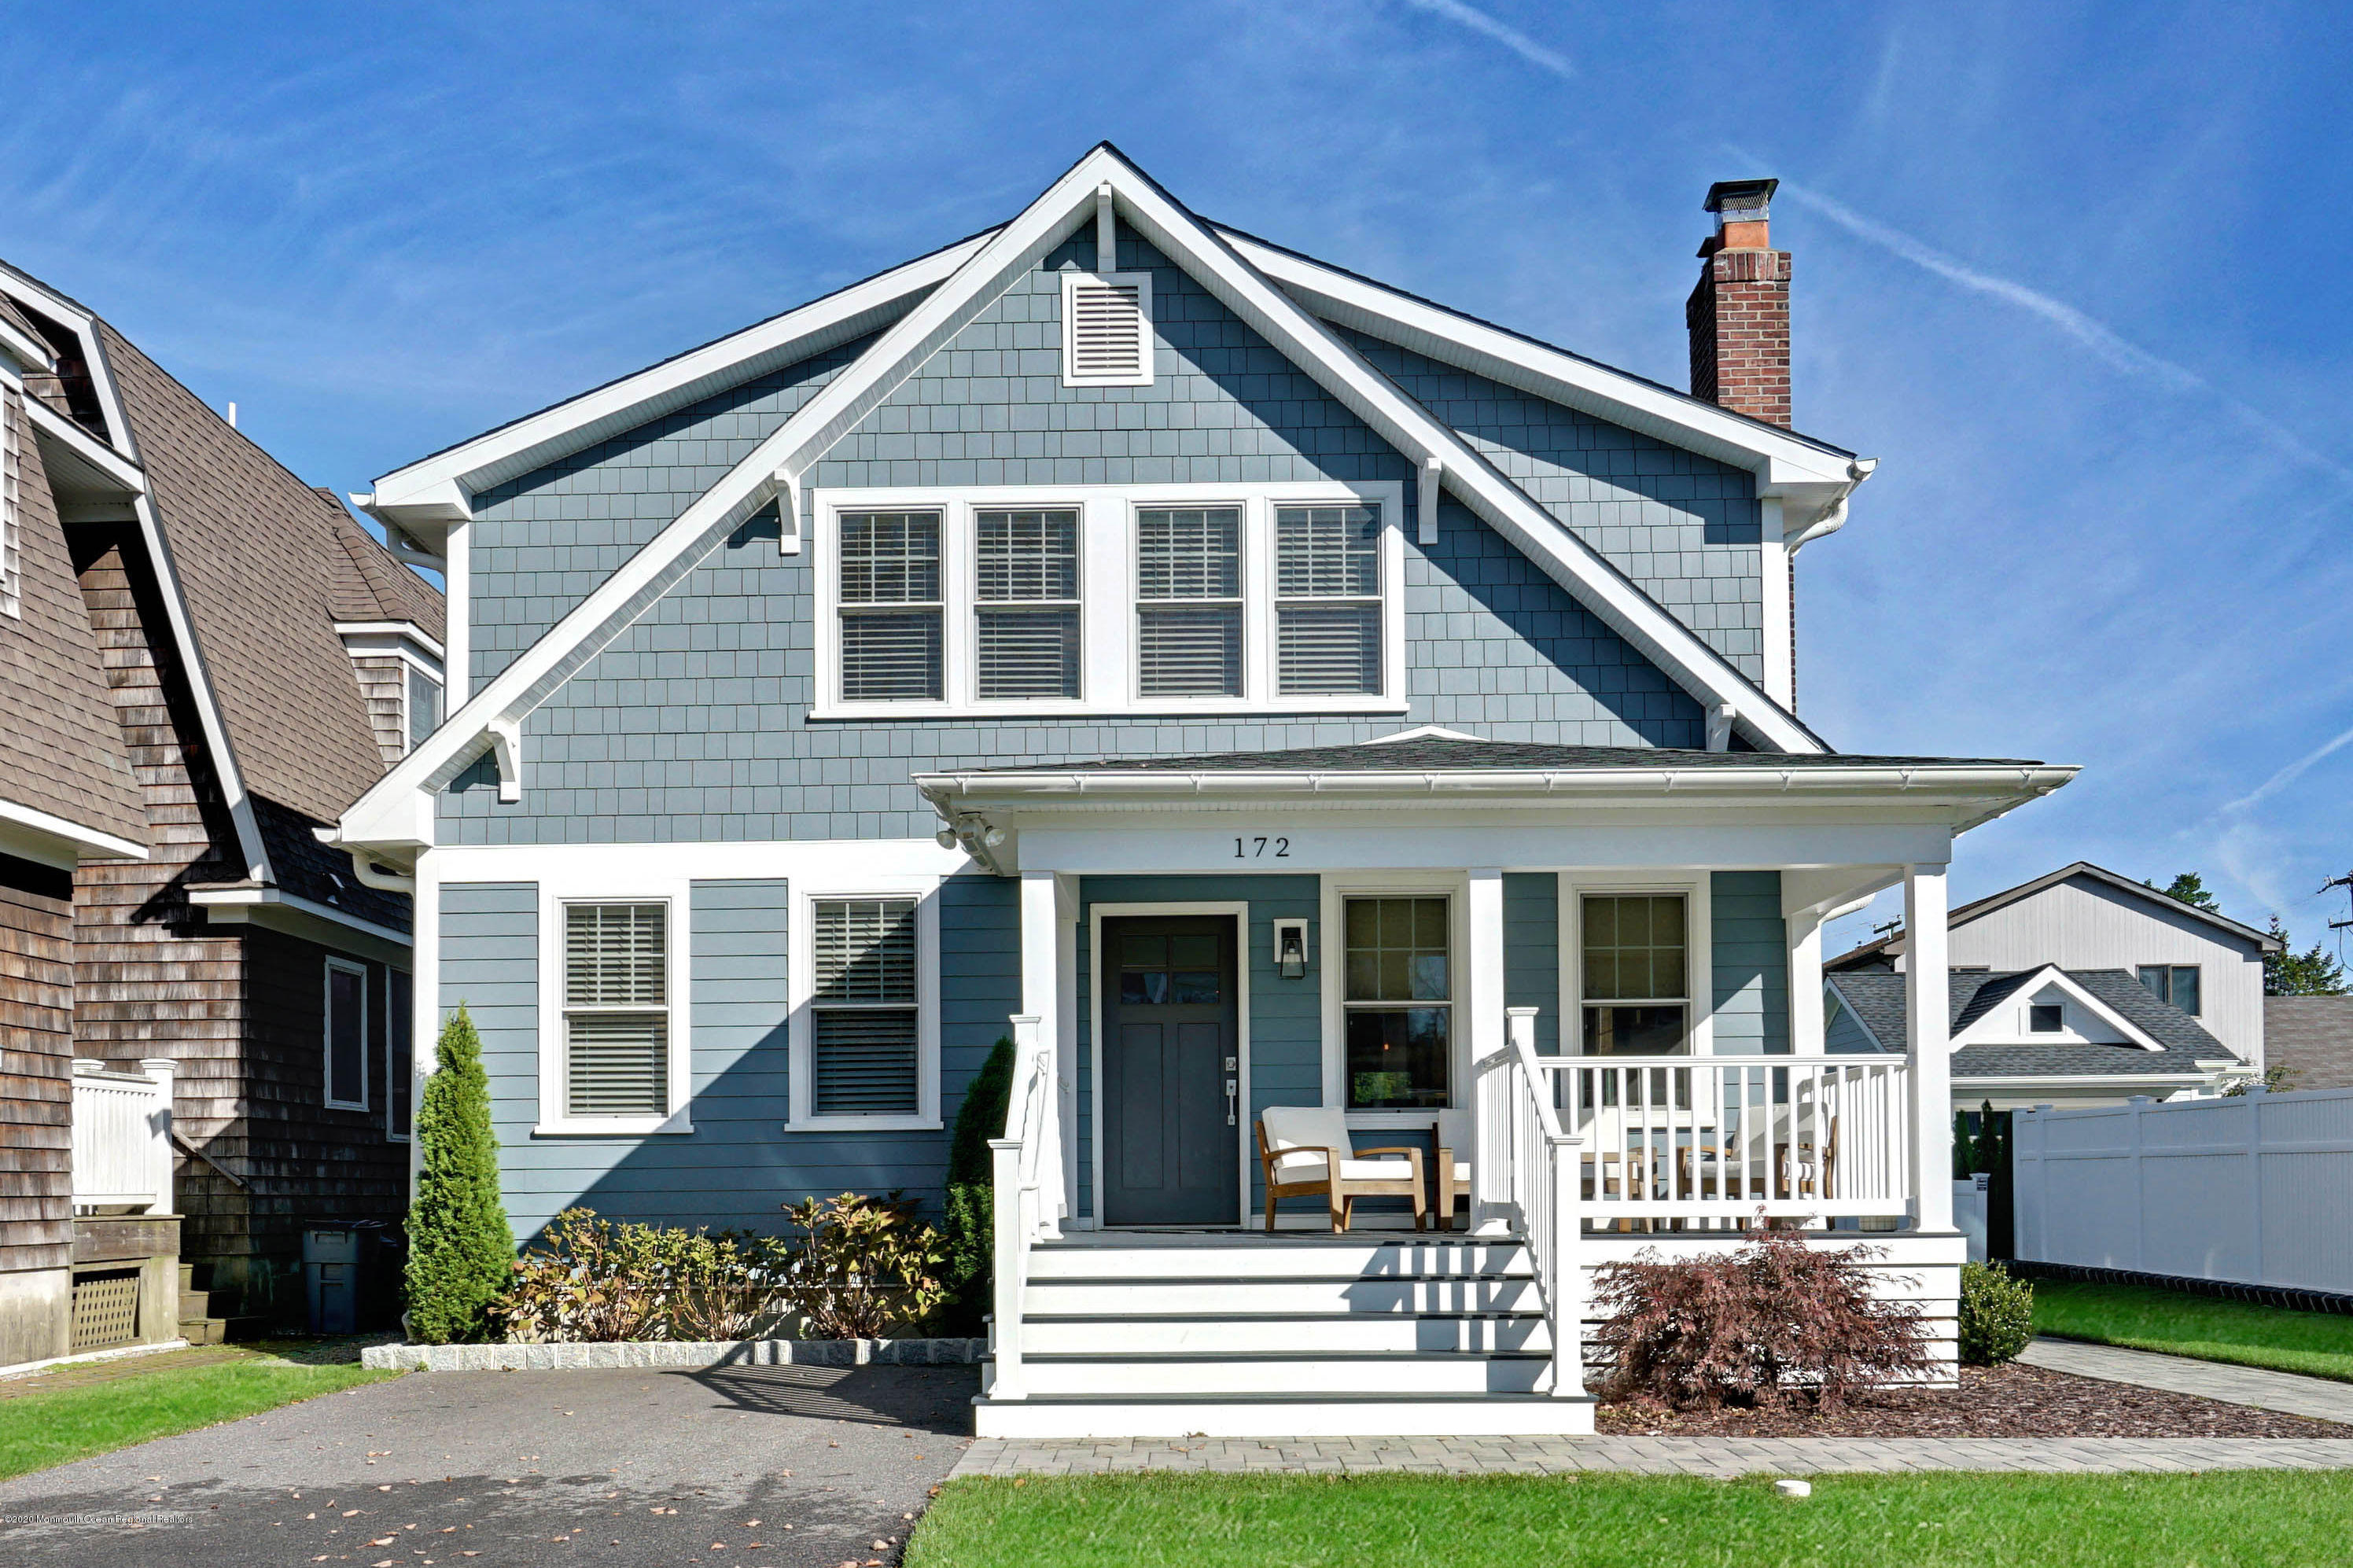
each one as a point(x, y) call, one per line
point(2286, 775)
point(1511, 37)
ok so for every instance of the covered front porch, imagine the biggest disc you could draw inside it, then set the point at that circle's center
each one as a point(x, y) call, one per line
point(1583, 986)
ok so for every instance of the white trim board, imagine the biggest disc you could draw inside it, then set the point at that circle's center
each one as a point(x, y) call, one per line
point(796, 446)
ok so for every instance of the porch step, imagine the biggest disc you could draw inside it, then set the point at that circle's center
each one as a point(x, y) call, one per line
point(1286, 1415)
point(1294, 1255)
point(1302, 1334)
point(1175, 1376)
point(1276, 1295)
point(203, 1330)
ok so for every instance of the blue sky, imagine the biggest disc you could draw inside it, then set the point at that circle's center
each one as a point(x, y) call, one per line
point(2074, 275)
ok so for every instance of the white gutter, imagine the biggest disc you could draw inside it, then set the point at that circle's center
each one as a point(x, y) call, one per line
point(82, 843)
point(248, 899)
point(2030, 780)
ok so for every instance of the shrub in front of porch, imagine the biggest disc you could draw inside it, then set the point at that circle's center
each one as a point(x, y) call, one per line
point(971, 1220)
point(460, 1247)
point(1753, 1325)
point(1997, 1314)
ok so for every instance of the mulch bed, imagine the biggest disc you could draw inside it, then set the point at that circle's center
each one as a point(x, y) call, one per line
point(2012, 1401)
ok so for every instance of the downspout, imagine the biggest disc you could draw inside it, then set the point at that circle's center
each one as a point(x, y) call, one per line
point(371, 875)
point(1833, 517)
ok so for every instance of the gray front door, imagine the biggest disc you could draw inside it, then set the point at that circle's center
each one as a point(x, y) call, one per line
point(1171, 1150)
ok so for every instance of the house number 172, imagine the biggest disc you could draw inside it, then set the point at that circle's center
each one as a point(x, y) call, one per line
point(1261, 848)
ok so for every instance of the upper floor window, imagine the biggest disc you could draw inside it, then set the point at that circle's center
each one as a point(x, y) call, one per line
point(423, 706)
point(2046, 1018)
point(1026, 623)
point(891, 607)
point(11, 502)
point(1637, 974)
point(1271, 597)
point(2174, 983)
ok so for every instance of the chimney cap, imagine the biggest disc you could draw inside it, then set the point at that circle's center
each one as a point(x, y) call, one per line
point(1727, 198)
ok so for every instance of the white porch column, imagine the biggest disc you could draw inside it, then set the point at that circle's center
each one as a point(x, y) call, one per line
point(1928, 1037)
point(1066, 1035)
point(1483, 979)
point(1041, 945)
point(1805, 936)
point(161, 1072)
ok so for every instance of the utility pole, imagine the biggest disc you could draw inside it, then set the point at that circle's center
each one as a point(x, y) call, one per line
point(2345, 881)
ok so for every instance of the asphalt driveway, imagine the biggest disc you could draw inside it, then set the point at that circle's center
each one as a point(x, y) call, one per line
point(769, 1465)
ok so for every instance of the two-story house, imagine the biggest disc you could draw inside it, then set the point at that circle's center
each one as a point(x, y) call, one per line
point(2079, 987)
point(205, 660)
point(1249, 686)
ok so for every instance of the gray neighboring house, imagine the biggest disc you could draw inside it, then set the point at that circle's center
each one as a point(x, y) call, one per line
point(2084, 917)
point(2037, 1037)
point(2312, 1036)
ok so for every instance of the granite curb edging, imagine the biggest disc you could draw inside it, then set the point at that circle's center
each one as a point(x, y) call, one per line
point(673, 1354)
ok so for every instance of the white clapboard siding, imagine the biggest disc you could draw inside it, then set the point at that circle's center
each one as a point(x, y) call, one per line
point(2255, 1189)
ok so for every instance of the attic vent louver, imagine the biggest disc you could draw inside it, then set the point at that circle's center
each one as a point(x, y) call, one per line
point(1107, 329)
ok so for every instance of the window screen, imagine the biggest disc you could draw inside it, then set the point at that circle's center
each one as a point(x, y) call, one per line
point(424, 707)
point(1188, 585)
point(1398, 1001)
point(1027, 623)
point(1637, 974)
point(617, 1009)
point(890, 589)
point(864, 1018)
point(346, 1034)
point(1327, 599)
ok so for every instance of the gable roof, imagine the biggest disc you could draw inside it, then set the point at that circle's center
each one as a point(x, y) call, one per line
point(1887, 947)
point(773, 471)
point(2170, 1041)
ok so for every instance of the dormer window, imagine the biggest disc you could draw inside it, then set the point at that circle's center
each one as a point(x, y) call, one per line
point(10, 479)
point(1107, 329)
point(2046, 1018)
point(423, 706)
point(399, 672)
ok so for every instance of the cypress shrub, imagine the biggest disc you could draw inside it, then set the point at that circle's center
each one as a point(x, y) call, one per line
point(1997, 1314)
point(971, 1194)
point(461, 1248)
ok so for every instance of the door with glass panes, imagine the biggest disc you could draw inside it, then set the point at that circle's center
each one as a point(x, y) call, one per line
point(1169, 1111)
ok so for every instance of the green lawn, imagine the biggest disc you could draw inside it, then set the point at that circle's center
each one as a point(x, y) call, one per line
point(2320, 1343)
point(77, 1419)
point(2254, 1517)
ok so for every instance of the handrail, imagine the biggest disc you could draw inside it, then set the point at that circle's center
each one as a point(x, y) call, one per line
point(1022, 1214)
point(1540, 1167)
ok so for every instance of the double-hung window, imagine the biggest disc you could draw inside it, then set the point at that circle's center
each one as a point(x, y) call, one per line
point(1637, 981)
point(1327, 596)
point(423, 706)
point(1026, 622)
point(1398, 999)
point(865, 1013)
point(399, 1053)
point(617, 1007)
point(2174, 983)
point(11, 482)
point(890, 606)
point(1189, 590)
point(346, 1034)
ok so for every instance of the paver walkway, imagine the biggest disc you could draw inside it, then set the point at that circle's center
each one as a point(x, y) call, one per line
point(2289, 1393)
point(1718, 1456)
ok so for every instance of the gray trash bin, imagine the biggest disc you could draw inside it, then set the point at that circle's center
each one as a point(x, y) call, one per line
point(331, 1276)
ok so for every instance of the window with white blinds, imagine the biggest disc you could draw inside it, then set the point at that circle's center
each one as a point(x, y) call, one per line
point(1107, 330)
point(1188, 589)
point(1327, 569)
point(864, 1012)
point(891, 607)
point(11, 500)
point(617, 1009)
point(1026, 627)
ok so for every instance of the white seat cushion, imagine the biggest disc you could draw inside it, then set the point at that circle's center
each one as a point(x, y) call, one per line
point(1310, 1168)
point(1463, 1172)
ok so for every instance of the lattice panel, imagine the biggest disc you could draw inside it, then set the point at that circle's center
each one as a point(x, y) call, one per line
point(105, 1309)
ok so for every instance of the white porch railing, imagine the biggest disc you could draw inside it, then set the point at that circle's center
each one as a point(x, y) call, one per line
point(122, 1138)
point(1714, 1140)
point(1028, 1163)
point(1521, 1140)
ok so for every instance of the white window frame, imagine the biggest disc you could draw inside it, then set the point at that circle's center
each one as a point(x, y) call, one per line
point(1142, 283)
point(1077, 603)
point(335, 967)
point(1699, 934)
point(1109, 654)
point(1340, 887)
point(801, 1028)
point(556, 1119)
point(12, 505)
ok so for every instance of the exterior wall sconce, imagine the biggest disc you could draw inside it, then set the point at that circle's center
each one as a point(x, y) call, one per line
point(1291, 948)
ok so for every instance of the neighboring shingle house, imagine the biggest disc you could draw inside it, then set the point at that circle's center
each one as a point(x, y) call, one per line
point(2084, 917)
point(2312, 1037)
point(1249, 686)
point(206, 660)
point(2046, 1036)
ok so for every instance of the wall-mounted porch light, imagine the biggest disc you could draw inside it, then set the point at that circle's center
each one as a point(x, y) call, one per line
point(1291, 948)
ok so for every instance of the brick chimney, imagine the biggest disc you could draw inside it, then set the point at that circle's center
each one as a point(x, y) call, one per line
point(1740, 311)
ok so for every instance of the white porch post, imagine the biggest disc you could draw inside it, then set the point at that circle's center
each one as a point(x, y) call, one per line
point(161, 1071)
point(1928, 1037)
point(1041, 1000)
point(1805, 934)
point(1066, 1037)
point(1484, 978)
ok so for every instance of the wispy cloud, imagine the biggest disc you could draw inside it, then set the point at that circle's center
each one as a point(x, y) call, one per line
point(1511, 37)
point(2103, 341)
point(2286, 775)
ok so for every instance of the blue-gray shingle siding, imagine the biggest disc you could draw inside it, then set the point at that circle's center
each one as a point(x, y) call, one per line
point(1750, 963)
point(1532, 952)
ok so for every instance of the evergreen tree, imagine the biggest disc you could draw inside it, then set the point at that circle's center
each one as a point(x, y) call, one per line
point(2311, 972)
point(971, 1193)
point(461, 1248)
point(2190, 889)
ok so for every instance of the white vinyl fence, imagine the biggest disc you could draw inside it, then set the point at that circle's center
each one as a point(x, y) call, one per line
point(2256, 1189)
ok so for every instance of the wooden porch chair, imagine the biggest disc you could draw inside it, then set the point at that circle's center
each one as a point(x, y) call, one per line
point(1304, 1152)
point(1454, 1145)
point(1804, 1177)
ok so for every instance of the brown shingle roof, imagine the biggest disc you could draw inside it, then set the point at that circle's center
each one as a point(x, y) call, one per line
point(369, 585)
point(61, 745)
point(262, 560)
